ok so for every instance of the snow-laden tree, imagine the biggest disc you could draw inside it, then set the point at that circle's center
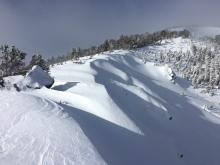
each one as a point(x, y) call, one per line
point(217, 71)
point(207, 66)
point(76, 53)
point(38, 60)
point(11, 60)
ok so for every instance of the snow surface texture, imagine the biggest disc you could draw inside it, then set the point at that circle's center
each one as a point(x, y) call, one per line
point(113, 109)
point(37, 131)
point(37, 78)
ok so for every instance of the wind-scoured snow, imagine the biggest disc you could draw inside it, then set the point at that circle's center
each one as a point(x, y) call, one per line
point(38, 131)
point(113, 109)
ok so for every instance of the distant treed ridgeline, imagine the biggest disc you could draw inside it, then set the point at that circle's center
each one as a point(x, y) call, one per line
point(12, 60)
point(124, 42)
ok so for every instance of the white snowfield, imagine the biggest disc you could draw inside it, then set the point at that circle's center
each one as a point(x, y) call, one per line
point(38, 131)
point(113, 109)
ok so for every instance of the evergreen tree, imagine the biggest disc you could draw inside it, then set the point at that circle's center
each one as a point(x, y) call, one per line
point(38, 60)
point(207, 66)
point(11, 60)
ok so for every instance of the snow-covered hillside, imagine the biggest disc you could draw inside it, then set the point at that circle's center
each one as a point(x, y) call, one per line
point(112, 109)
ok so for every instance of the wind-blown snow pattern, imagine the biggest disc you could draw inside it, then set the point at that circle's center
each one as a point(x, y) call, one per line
point(38, 131)
point(112, 109)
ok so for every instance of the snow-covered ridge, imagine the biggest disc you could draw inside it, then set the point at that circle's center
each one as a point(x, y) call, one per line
point(37, 131)
point(113, 109)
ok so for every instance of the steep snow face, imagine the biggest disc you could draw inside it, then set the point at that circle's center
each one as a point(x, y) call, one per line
point(37, 131)
point(77, 85)
point(115, 108)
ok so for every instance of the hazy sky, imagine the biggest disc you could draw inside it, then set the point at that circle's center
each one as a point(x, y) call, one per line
point(53, 27)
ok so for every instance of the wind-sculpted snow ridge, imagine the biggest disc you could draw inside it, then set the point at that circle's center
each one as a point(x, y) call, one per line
point(118, 109)
point(38, 131)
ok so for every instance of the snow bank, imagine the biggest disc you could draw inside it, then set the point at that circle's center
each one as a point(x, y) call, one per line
point(37, 78)
point(37, 131)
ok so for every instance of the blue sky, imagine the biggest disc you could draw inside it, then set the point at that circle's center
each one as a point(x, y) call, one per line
point(53, 27)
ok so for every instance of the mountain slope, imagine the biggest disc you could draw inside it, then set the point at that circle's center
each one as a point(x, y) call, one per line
point(112, 109)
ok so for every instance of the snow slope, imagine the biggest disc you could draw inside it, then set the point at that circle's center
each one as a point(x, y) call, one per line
point(38, 131)
point(113, 109)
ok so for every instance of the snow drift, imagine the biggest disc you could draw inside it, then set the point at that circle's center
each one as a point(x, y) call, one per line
point(37, 78)
point(37, 131)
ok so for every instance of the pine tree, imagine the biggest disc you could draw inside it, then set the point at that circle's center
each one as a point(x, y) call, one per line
point(217, 72)
point(16, 60)
point(12, 60)
point(207, 66)
point(38, 60)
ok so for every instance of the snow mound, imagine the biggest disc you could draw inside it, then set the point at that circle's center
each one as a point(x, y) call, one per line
point(37, 78)
point(40, 132)
point(168, 72)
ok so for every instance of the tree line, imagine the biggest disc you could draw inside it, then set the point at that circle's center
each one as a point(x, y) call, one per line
point(124, 42)
point(12, 60)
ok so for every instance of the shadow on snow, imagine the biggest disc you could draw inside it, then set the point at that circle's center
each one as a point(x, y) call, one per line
point(188, 133)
